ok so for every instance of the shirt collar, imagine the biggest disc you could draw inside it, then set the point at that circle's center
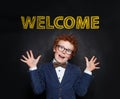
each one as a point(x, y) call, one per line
point(54, 60)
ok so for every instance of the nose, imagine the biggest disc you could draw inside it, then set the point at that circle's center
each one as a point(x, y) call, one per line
point(64, 51)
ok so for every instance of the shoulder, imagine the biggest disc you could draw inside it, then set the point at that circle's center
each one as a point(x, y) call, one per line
point(44, 65)
point(74, 67)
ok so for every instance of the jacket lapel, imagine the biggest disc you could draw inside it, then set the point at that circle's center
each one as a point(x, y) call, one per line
point(66, 74)
point(53, 73)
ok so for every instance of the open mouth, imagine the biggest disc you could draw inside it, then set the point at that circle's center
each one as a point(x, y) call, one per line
point(61, 56)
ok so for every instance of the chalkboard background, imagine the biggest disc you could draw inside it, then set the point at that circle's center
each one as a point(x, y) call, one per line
point(15, 41)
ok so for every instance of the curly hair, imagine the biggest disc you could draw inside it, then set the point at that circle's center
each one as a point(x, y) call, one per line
point(67, 37)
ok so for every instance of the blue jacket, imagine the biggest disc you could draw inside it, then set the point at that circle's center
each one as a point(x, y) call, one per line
point(74, 82)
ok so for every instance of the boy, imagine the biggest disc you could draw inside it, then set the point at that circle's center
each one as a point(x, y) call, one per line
point(59, 78)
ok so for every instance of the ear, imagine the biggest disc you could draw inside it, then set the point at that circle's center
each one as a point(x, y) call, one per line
point(54, 49)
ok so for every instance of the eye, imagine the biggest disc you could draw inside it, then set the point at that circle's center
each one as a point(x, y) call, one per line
point(69, 50)
point(61, 47)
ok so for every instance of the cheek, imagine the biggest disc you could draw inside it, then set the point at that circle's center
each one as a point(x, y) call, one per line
point(68, 57)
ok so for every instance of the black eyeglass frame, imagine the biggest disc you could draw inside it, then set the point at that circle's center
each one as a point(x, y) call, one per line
point(62, 48)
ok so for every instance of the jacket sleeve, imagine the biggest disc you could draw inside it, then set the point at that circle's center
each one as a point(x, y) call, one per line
point(37, 80)
point(82, 83)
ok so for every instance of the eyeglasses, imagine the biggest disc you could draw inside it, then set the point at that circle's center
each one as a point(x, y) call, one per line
point(62, 48)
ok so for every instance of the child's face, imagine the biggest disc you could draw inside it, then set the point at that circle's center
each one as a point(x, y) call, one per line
point(63, 51)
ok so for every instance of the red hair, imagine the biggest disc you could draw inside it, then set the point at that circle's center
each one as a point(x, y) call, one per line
point(67, 37)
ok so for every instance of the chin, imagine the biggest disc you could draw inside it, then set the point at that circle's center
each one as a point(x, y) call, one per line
point(62, 61)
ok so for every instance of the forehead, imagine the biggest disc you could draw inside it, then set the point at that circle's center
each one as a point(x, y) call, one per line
point(66, 44)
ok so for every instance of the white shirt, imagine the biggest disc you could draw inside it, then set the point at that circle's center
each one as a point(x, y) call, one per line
point(60, 73)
